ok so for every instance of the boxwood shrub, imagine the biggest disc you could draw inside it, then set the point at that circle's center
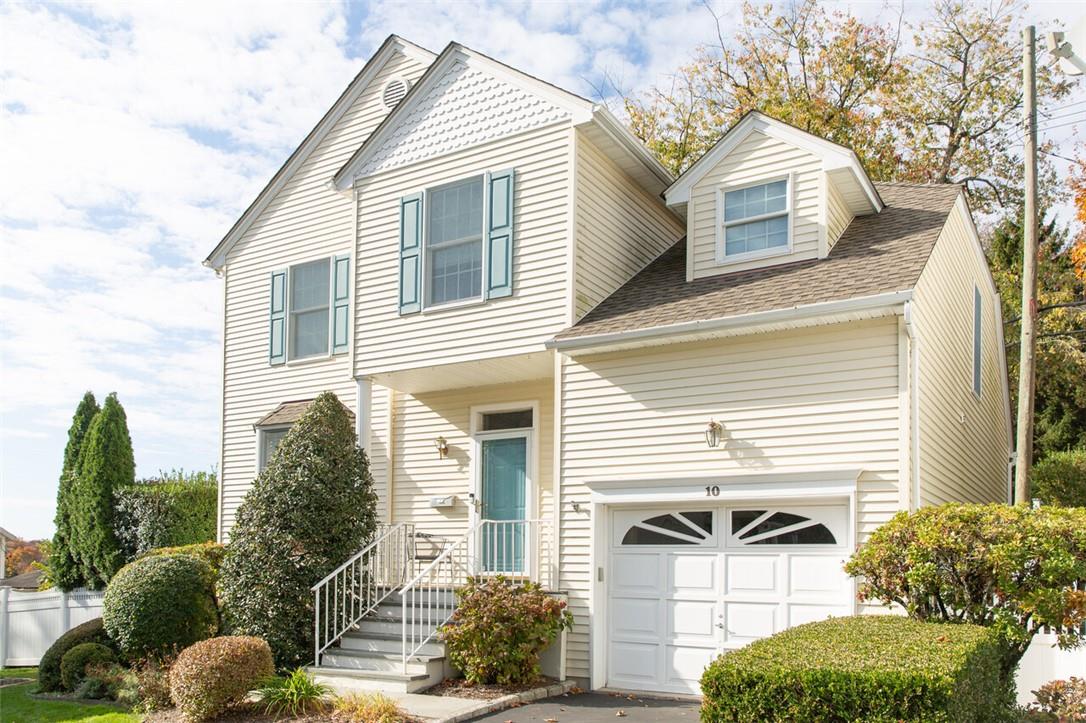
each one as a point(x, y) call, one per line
point(73, 666)
point(214, 674)
point(49, 675)
point(210, 552)
point(865, 668)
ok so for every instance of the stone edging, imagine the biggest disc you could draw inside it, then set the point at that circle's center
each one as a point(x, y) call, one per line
point(506, 701)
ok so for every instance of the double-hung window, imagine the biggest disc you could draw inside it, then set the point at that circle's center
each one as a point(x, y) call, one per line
point(268, 440)
point(454, 242)
point(309, 303)
point(310, 310)
point(755, 220)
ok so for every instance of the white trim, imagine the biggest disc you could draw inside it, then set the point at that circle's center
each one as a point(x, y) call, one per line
point(572, 163)
point(363, 421)
point(222, 414)
point(914, 400)
point(904, 496)
point(722, 256)
point(823, 213)
point(217, 258)
point(619, 133)
point(892, 300)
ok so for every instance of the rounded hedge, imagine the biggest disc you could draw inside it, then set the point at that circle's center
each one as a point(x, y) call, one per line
point(49, 673)
point(210, 552)
point(73, 666)
point(214, 674)
point(157, 605)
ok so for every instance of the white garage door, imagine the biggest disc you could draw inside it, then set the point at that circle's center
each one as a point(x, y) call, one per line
point(686, 584)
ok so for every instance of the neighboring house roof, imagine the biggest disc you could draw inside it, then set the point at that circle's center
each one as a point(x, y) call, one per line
point(26, 581)
point(288, 413)
point(369, 71)
point(7, 535)
point(877, 254)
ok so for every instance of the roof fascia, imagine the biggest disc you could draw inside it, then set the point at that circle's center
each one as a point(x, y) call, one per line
point(622, 135)
point(217, 258)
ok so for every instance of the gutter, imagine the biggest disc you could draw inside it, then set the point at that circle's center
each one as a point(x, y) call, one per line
point(775, 316)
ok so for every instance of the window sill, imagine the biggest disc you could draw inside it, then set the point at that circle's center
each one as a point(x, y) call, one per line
point(449, 305)
point(311, 360)
point(724, 260)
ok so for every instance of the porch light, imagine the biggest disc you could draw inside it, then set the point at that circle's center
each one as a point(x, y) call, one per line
point(712, 433)
point(442, 447)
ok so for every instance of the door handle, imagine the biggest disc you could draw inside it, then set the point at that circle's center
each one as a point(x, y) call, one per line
point(720, 625)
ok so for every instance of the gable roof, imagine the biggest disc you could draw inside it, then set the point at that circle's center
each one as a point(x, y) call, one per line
point(391, 45)
point(581, 111)
point(876, 255)
point(837, 160)
point(289, 413)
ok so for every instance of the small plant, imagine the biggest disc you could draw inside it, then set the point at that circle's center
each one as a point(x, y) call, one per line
point(295, 694)
point(49, 675)
point(91, 688)
point(366, 708)
point(1060, 700)
point(500, 629)
point(215, 674)
point(147, 687)
point(73, 666)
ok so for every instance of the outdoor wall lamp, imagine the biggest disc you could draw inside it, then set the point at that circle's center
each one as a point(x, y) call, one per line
point(442, 447)
point(712, 433)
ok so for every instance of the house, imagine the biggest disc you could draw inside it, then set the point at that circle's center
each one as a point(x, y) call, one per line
point(5, 538)
point(679, 402)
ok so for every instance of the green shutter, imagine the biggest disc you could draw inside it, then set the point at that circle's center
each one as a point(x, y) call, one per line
point(410, 253)
point(277, 335)
point(499, 235)
point(341, 298)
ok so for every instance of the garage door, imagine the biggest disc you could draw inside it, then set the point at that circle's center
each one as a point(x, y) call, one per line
point(686, 584)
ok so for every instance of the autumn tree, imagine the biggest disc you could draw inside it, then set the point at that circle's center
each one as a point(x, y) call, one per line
point(63, 565)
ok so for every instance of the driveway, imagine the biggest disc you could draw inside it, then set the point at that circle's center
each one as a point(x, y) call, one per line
point(597, 708)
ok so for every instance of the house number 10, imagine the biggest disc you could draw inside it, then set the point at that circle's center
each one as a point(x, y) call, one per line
point(712, 491)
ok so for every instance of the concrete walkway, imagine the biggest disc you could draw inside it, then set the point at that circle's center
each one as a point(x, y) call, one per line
point(597, 708)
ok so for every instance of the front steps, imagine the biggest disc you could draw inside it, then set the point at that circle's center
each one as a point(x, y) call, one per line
point(370, 657)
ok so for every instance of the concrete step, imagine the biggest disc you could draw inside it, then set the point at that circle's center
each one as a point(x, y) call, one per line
point(370, 660)
point(348, 680)
point(394, 611)
point(387, 643)
point(385, 626)
point(424, 596)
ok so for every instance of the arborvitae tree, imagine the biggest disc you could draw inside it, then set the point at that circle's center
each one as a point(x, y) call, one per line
point(105, 462)
point(64, 568)
point(311, 508)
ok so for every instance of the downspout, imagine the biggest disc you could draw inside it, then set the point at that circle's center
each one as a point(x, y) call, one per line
point(914, 402)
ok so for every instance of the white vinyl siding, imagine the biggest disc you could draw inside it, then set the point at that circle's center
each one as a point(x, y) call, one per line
point(757, 159)
point(964, 443)
point(387, 341)
point(306, 220)
point(823, 398)
point(838, 216)
point(620, 228)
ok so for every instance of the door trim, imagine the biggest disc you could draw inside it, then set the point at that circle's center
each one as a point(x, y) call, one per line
point(532, 450)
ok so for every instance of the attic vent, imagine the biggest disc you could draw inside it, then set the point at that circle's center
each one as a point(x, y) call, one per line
point(394, 92)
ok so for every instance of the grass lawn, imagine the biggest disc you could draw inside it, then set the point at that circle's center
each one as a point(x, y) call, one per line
point(17, 706)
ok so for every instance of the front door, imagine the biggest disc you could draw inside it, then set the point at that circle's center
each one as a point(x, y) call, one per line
point(504, 497)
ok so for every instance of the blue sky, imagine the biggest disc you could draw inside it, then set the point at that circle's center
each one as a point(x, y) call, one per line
point(133, 134)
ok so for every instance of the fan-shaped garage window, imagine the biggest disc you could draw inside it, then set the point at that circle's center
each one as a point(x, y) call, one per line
point(673, 528)
point(774, 527)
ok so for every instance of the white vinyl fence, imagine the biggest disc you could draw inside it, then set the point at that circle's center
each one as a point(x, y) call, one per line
point(1044, 662)
point(31, 621)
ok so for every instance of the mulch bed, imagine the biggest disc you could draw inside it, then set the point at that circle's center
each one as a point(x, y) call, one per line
point(460, 688)
point(246, 713)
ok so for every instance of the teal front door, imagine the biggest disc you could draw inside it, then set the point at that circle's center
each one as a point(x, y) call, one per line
point(505, 496)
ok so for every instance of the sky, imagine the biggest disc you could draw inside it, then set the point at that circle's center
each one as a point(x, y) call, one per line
point(132, 135)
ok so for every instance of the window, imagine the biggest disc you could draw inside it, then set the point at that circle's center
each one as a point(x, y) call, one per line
point(310, 310)
point(977, 310)
point(755, 219)
point(269, 439)
point(309, 302)
point(454, 241)
point(774, 527)
point(673, 528)
point(494, 421)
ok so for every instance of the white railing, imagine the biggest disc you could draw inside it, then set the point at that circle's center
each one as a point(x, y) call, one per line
point(521, 550)
point(355, 588)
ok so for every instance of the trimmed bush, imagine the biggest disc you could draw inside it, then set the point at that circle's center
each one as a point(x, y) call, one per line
point(177, 509)
point(214, 674)
point(1060, 479)
point(210, 552)
point(73, 666)
point(157, 605)
point(64, 569)
point(312, 508)
point(865, 668)
point(499, 630)
point(49, 674)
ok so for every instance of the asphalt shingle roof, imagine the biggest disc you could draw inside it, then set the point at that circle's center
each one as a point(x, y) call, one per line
point(876, 254)
point(288, 413)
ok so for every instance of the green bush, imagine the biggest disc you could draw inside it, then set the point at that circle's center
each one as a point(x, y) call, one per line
point(105, 463)
point(312, 508)
point(210, 552)
point(499, 630)
point(1011, 568)
point(49, 674)
point(64, 569)
point(157, 605)
point(73, 666)
point(1060, 479)
point(214, 674)
point(865, 668)
point(293, 695)
point(177, 509)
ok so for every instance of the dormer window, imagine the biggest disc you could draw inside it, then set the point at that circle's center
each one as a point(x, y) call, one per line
point(754, 220)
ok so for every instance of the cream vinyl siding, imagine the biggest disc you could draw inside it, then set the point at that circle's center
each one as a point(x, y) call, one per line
point(418, 472)
point(963, 440)
point(813, 399)
point(619, 227)
point(387, 341)
point(305, 221)
point(758, 157)
point(838, 216)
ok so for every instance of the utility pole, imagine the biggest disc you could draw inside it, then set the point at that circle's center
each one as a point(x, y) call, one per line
point(1024, 446)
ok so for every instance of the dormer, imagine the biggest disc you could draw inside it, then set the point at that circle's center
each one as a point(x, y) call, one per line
point(768, 193)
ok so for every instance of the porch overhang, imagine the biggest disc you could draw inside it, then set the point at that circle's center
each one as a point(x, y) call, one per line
point(465, 374)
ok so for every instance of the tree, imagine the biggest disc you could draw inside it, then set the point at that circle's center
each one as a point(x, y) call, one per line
point(309, 511)
point(22, 555)
point(65, 570)
point(105, 462)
